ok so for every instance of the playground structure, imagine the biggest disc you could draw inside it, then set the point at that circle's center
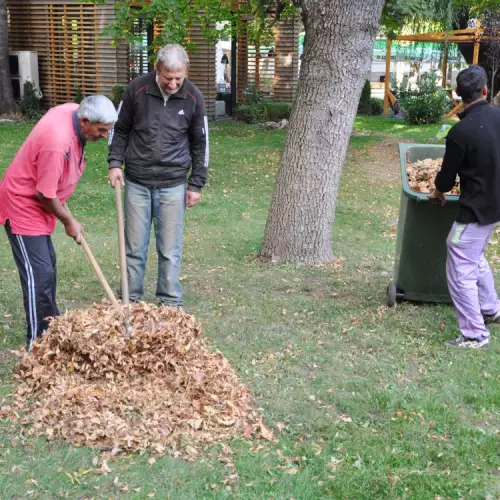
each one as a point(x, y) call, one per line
point(472, 36)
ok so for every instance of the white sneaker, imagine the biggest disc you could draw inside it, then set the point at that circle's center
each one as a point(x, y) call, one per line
point(464, 342)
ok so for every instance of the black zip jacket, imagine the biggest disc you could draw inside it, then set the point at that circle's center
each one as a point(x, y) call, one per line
point(473, 152)
point(158, 141)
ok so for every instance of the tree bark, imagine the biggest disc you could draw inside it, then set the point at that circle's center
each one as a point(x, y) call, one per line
point(337, 55)
point(7, 102)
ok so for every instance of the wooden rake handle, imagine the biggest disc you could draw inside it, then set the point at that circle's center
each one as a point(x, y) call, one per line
point(98, 272)
point(97, 269)
point(121, 243)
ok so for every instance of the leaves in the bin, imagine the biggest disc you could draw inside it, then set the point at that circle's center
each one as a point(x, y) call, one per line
point(422, 175)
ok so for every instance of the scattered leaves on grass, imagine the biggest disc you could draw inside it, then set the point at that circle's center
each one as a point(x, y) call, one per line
point(422, 174)
point(265, 433)
point(345, 418)
point(163, 389)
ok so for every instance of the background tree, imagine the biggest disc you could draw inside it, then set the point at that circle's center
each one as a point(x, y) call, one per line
point(491, 23)
point(337, 55)
point(7, 102)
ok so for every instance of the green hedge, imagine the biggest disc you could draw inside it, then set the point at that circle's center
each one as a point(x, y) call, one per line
point(364, 105)
point(377, 106)
point(368, 105)
point(264, 111)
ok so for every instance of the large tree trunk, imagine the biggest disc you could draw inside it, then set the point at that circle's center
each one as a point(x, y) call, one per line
point(337, 55)
point(7, 103)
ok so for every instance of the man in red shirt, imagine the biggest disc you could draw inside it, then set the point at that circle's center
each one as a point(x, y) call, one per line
point(33, 192)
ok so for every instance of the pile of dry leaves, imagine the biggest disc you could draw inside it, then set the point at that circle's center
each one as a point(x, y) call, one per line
point(422, 174)
point(163, 388)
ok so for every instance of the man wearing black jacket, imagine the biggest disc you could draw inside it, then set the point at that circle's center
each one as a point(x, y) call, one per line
point(472, 153)
point(160, 135)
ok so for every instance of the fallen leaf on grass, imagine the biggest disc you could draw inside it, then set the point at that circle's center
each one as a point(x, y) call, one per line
point(334, 463)
point(266, 433)
point(104, 468)
point(248, 432)
point(345, 418)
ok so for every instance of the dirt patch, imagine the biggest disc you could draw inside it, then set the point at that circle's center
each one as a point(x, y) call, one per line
point(383, 161)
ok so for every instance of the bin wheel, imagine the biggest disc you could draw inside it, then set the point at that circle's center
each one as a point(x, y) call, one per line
point(391, 294)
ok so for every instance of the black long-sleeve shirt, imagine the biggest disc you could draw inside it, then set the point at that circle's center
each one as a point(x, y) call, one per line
point(473, 152)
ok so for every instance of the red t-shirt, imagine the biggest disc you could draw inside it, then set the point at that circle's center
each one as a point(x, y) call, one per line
point(51, 162)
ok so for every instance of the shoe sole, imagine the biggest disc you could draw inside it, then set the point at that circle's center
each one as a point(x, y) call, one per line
point(468, 346)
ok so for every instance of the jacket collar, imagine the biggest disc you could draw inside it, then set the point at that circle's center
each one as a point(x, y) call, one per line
point(473, 107)
point(78, 130)
point(153, 89)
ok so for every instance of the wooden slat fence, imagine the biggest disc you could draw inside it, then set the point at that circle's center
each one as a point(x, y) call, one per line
point(72, 53)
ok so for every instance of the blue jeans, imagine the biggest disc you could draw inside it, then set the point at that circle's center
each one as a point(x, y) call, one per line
point(164, 206)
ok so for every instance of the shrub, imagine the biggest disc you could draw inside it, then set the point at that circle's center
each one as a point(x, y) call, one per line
point(425, 108)
point(365, 105)
point(252, 95)
point(426, 103)
point(78, 95)
point(276, 111)
point(116, 94)
point(377, 106)
point(264, 111)
point(250, 113)
point(30, 104)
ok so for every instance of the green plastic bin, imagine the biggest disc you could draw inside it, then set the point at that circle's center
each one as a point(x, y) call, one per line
point(423, 226)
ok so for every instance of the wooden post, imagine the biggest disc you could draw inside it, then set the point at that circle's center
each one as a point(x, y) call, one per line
point(95, 38)
point(286, 60)
point(475, 58)
point(234, 65)
point(67, 54)
point(257, 67)
point(242, 61)
point(387, 75)
point(81, 37)
point(445, 66)
point(52, 49)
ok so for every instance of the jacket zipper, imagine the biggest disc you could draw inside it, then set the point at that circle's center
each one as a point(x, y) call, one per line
point(158, 139)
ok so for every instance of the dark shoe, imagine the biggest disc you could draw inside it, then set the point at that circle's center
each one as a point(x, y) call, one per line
point(494, 319)
point(173, 306)
point(466, 343)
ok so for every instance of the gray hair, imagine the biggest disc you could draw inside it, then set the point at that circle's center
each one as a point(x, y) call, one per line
point(97, 109)
point(172, 56)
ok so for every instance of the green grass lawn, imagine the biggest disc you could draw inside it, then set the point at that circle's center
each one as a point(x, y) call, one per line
point(365, 402)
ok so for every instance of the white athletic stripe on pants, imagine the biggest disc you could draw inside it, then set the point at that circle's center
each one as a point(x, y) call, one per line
point(31, 290)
